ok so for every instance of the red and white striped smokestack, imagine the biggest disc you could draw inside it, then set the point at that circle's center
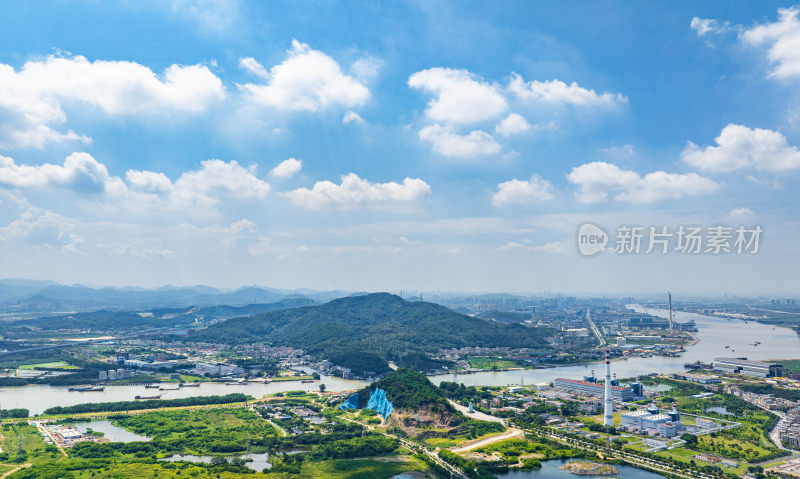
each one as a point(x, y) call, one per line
point(608, 409)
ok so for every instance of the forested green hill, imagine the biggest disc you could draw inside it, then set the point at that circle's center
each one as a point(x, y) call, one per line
point(371, 329)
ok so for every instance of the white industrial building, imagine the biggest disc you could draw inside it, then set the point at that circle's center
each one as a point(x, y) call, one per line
point(748, 368)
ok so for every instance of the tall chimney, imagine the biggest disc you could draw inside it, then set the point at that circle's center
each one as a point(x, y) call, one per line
point(608, 410)
point(670, 311)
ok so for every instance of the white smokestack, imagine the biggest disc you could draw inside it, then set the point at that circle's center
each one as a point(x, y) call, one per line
point(670, 310)
point(608, 409)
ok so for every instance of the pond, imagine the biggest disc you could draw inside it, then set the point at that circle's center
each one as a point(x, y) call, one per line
point(258, 463)
point(550, 470)
point(111, 432)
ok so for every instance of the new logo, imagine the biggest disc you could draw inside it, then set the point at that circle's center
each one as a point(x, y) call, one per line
point(591, 239)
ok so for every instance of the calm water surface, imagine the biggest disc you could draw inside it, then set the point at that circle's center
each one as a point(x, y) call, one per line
point(111, 432)
point(714, 333)
point(550, 470)
point(37, 398)
point(259, 461)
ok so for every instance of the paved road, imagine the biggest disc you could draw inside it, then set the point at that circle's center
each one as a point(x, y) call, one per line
point(595, 330)
point(627, 456)
point(44, 430)
point(282, 430)
point(414, 447)
point(477, 414)
point(512, 432)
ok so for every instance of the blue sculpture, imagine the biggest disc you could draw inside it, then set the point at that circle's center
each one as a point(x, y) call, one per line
point(350, 403)
point(379, 403)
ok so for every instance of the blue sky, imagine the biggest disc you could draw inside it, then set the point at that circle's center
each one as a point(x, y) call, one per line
point(430, 145)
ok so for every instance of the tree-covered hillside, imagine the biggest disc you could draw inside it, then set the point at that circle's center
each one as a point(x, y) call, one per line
point(379, 324)
point(407, 389)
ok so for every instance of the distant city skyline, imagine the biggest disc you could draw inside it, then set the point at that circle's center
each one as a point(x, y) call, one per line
point(444, 146)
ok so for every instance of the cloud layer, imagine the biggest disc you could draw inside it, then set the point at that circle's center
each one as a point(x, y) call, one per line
point(354, 192)
point(741, 147)
point(783, 41)
point(308, 80)
point(462, 100)
point(598, 180)
point(519, 191)
point(32, 99)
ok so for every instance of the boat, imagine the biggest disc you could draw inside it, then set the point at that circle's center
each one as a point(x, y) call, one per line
point(152, 386)
point(157, 396)
point(162, 388)
point(86, 388)
point(190, 385)
point(307, 381)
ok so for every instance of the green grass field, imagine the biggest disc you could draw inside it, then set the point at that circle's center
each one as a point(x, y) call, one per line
point(483, 362)
point(52, 365)
point(157, 471)
point(368, 468)
point(32, 443)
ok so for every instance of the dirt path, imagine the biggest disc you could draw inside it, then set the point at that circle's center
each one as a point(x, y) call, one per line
point(512, 432)
point(12, 471)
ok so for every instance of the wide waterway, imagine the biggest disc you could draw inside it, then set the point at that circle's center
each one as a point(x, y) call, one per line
point(714, 334)
point(37, 398)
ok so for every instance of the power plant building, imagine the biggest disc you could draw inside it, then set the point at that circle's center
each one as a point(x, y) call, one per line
point(652, 421)
point(633, 419)
point(588, 388)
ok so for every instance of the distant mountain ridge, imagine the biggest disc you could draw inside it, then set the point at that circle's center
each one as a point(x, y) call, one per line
point(106, 320)
point(365, 332)
point(44, 295)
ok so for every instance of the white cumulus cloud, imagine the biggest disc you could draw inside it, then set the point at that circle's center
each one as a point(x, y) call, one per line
point(287, 168)
point(513, 124)
point(461, 97)
point(251, 64)
point(704, 26)
point(742, 147)
point(309, 80)
point(140, 190)
point(449, 143)
point(557, 92)
point(352, 117)
point(783, 41)
point(356, 192)
point(220, 177)
point(80, 172)
point(31, 99)
point(597, 180)
point(741, 213)
point(522, 191)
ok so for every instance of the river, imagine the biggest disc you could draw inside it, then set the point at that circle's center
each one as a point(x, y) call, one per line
point(37, 398)
point(714, 334)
